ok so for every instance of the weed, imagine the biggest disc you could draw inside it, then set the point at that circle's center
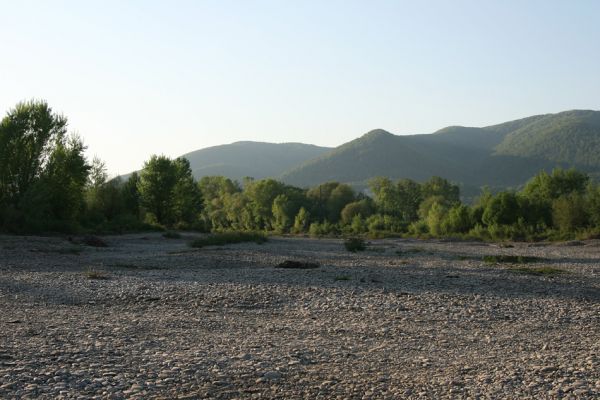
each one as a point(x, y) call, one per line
point(137, 267)
point(221, 239)
point(355, 244)
point(342, 278)
point(96, 275)
point(540, 271)
point(291, 264)
point(411, 250)
point(497, 259)
point(172, 235)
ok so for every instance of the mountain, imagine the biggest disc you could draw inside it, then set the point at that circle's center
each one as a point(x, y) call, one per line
point(502, 155)
point(256, 159)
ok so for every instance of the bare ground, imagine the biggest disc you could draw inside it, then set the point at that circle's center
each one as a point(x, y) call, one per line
point(404, 319)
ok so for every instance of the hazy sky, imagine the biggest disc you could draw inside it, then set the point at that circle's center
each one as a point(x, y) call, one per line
point(141, 77)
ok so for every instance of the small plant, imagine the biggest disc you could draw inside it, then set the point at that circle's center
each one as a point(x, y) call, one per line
point(411, 250)
point(291, 264)
point(541, 271)
point(355, 244)
point(497, 259)
point(93, 241)
point(223, 238)
point(95, 274)
point(172, 235)
point(341, 278)
point(136, 267)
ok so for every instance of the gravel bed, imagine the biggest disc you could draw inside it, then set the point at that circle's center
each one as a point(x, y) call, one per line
point(150, 317)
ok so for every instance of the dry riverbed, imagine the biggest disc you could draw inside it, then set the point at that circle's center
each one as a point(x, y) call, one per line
point(150, 317)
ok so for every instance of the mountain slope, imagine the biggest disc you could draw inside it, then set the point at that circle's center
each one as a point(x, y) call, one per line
point(255, 159)
point(568, 137)
point(506, 154)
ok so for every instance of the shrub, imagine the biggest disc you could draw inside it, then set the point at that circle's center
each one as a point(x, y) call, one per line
point(223, 238)
point(172, 235)
point(95, 274)
point(355, 244)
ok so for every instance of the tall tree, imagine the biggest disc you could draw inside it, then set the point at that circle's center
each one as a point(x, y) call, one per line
point(28, 135)
point(156, 184)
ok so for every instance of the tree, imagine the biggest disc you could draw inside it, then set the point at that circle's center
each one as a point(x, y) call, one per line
point(441, 188)
point(502, 209)
point(361, 208)
point(29, 134)
point(157, 181)
point(187, 198)
point(302, 221)
point(569, 212)
point(54, 200)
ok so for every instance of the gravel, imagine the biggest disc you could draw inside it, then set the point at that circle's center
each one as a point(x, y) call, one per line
point(404, 319)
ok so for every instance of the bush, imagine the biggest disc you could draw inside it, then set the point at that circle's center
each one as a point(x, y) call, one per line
point(355, 244)
point(326, 228)
point(172, 235)
point(223, 238)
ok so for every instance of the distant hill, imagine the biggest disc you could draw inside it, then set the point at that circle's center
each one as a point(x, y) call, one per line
point(256, 159)
point(501, 155)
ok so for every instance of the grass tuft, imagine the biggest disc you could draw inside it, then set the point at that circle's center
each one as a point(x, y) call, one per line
point(503, 259)
point(540, 271)
point(96, 275)
point(223, 238)
point(355, 244)
point(172, 235)
point(342, 278)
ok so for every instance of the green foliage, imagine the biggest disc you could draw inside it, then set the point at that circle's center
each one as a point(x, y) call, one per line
point(355, 244)
point(43, 171)
point(168, 191)
point(361, 208)
point(302, 221)
point(323, 229)
point(569, 212)
point(457, 220)
point(329, 199)
point(224, 238)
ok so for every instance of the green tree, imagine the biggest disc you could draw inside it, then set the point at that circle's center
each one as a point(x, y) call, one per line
point(187, 197)
point(156, 184)
point(29, 135)
point(569, 212)
point(302, 221)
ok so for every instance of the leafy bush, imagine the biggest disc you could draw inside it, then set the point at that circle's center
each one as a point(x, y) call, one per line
point(223, 238)
point(355, 244)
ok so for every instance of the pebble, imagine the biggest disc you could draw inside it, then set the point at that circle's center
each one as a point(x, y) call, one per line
point(224, 323)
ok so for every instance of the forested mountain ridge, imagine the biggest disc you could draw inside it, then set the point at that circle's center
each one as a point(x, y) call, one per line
point(246, 158)
point(506, 154)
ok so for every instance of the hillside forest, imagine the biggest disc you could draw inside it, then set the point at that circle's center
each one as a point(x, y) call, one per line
point(47, 186)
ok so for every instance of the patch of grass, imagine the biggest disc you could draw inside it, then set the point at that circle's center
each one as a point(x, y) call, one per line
point(462, 258)
point(93, 241)
point(172, 235)
point(137, 267)
point(221, 239)
point(411, 250)
point(376, 249)
point(60, 250)
point(540, 271)
point(342, 278)
point(96, 275)
point(291, 264)
point(355, 244)
point(503, 259)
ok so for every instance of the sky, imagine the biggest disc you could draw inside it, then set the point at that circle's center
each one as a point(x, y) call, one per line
point(136, 78)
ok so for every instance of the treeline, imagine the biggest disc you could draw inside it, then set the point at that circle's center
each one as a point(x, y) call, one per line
point(47, 185)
